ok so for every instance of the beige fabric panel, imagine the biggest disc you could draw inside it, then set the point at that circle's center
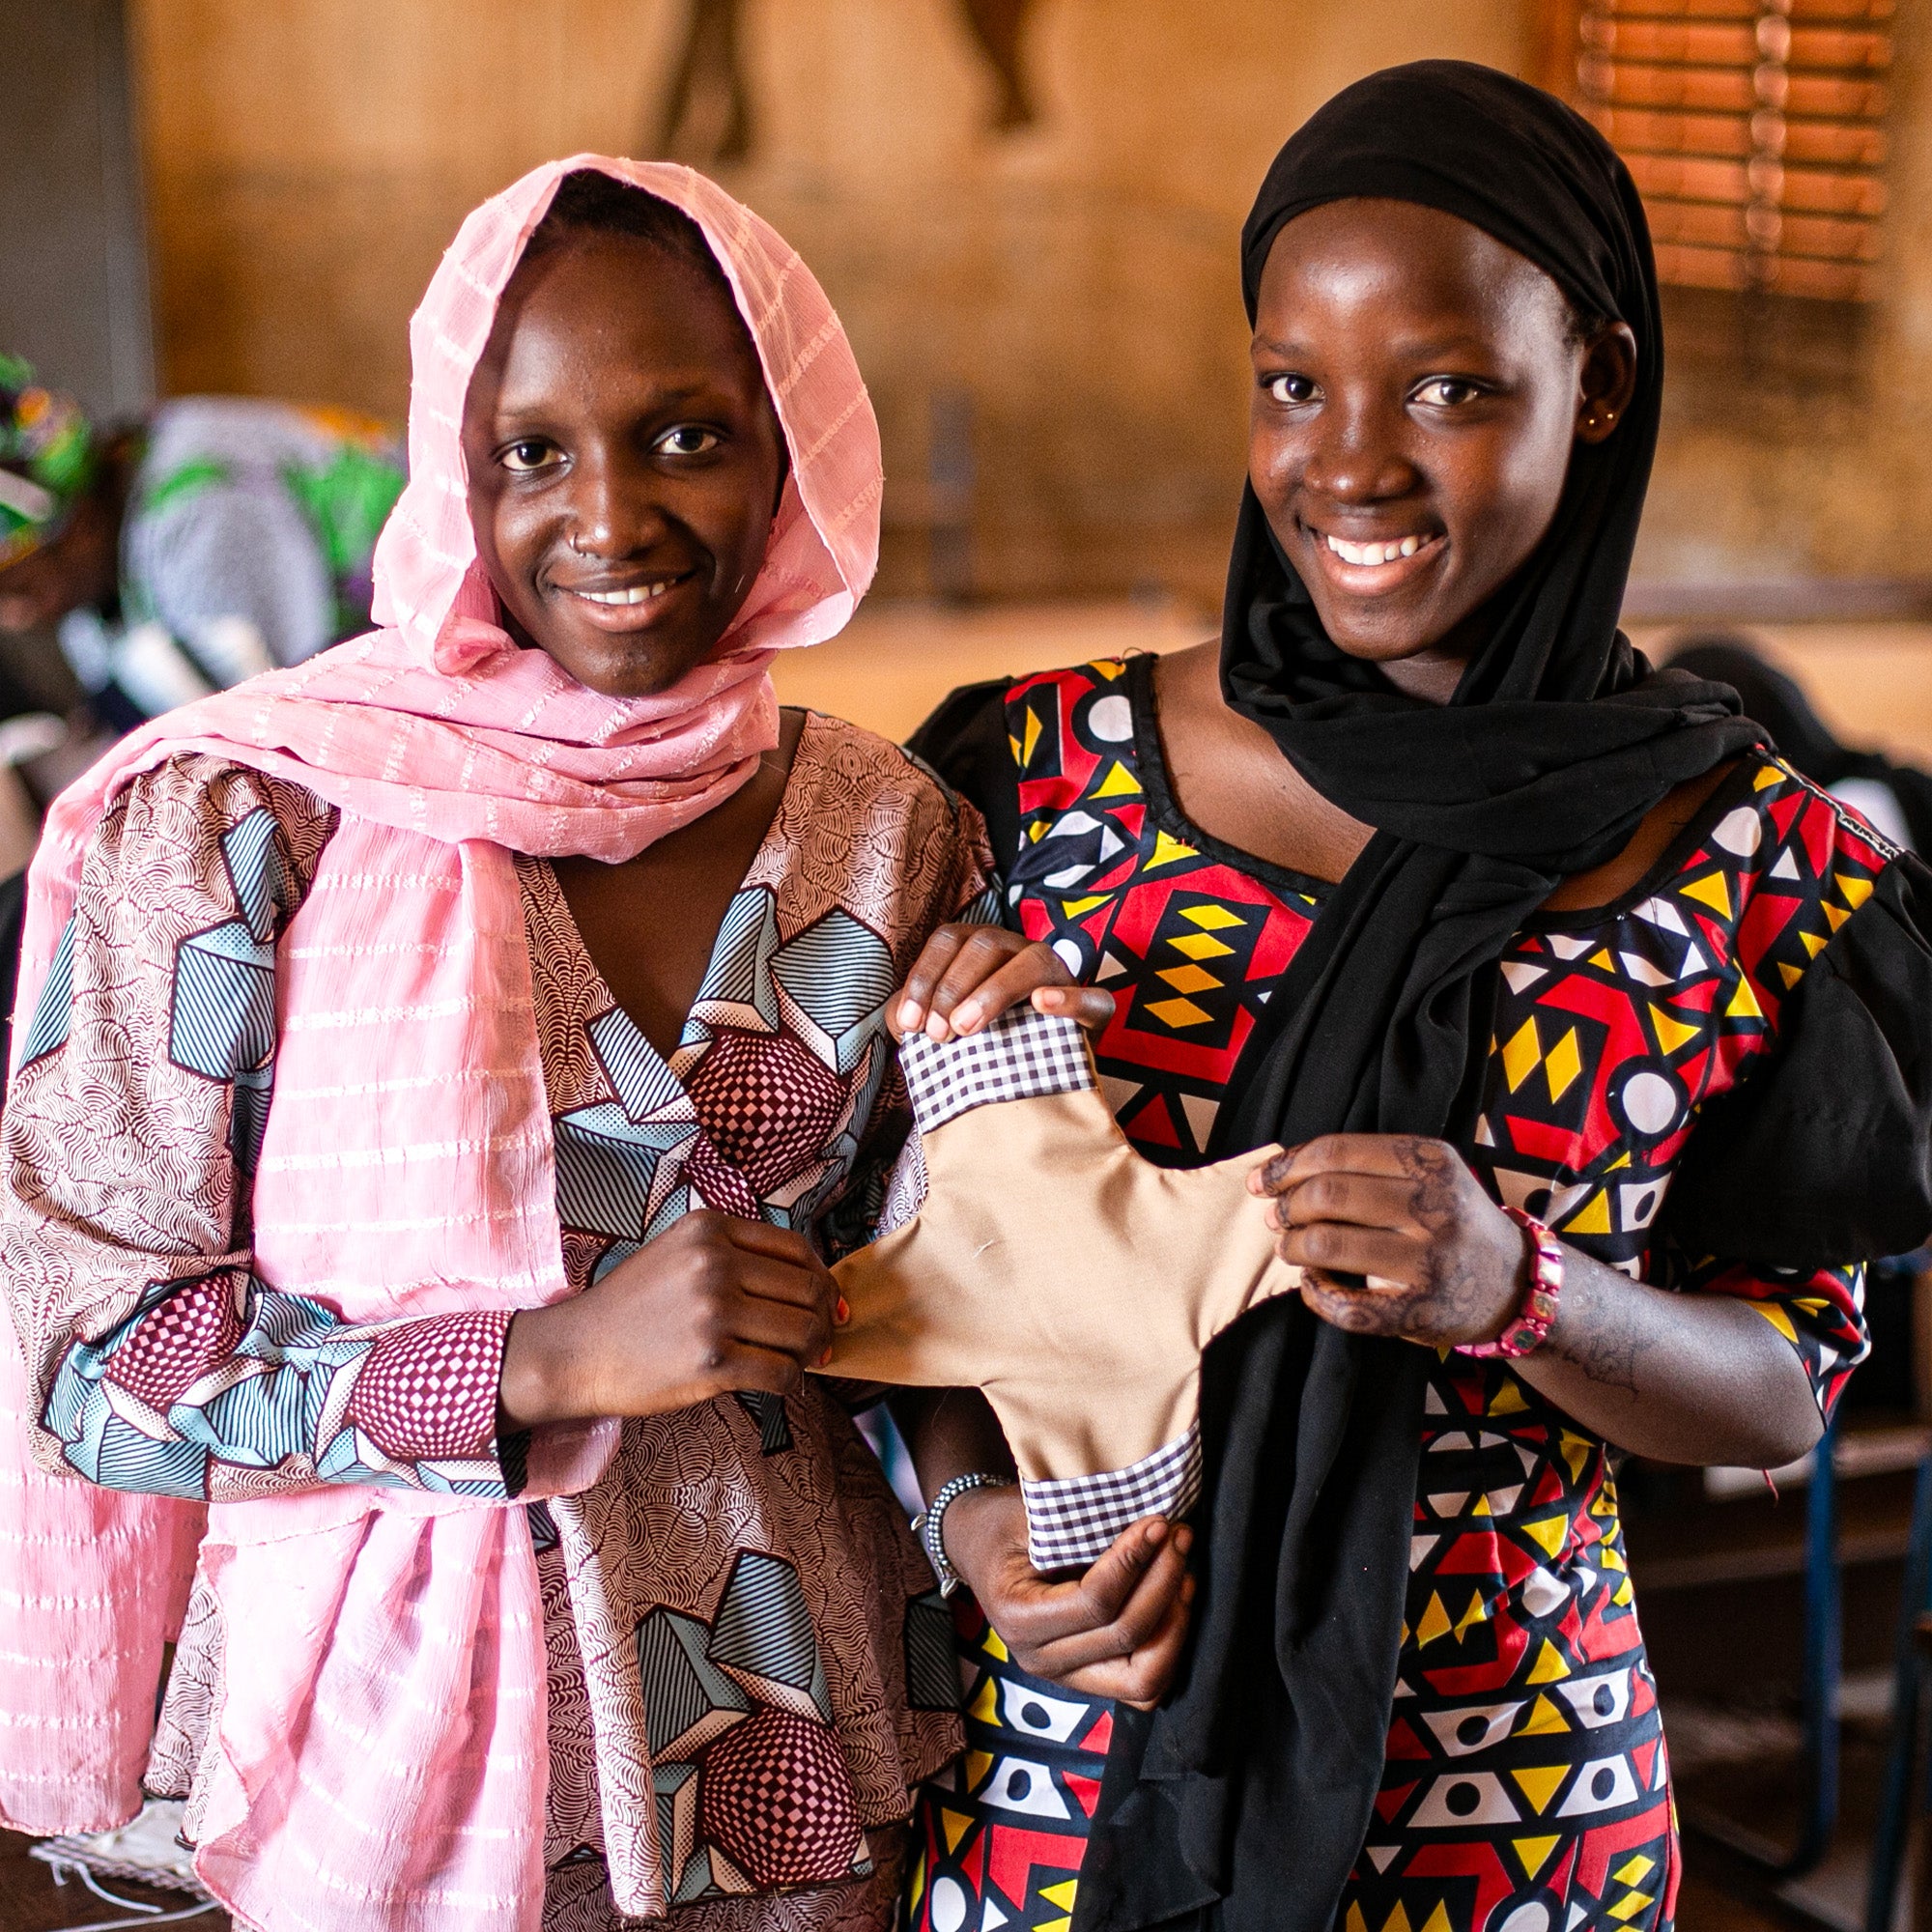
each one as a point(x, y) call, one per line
point(1074, 1281)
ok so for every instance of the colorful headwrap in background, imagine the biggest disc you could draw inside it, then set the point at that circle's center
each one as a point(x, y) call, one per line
point(46, 459)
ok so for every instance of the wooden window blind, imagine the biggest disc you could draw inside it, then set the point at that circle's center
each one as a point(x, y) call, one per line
point(1755, 129)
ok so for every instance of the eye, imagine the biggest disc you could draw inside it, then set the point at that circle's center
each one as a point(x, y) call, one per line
point(688, 440)
point(532, 453)
point(1292, 390)
point(1447, 392)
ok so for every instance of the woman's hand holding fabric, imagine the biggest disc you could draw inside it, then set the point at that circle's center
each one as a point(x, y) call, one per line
point(1115, 1630)
point(967, 975)
point(1684, 1377)
point(714, 1304)
point(1444, 1265)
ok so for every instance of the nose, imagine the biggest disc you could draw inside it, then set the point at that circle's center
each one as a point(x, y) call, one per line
point(1359, 454)
point(613, 509)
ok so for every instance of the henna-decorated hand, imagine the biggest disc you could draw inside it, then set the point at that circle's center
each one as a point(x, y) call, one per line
point(1398, 1237)
point(967, 975)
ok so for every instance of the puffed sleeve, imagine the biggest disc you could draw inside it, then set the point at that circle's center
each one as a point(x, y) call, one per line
point(1822, 1154)
point(160, 1361)
point(965, 742)
point(1820, 1312)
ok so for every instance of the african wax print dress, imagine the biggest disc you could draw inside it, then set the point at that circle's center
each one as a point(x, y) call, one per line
point(1526, 1785)
point(248, 541)
point(749, 1666)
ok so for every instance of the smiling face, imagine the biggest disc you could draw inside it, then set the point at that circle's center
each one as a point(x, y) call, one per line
point(624, 459)
point(1418, 390)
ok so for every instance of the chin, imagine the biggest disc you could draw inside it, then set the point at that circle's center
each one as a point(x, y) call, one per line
point(617, 669)
point(1388, 640)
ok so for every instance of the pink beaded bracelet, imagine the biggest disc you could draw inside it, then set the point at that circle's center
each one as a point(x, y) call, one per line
point(1529, 1326)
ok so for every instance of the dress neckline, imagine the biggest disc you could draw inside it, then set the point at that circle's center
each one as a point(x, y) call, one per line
point(1143, 706)
point(624, 1034)
point(1682, 850)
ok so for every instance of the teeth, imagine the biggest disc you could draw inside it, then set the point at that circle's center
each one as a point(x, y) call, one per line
point(1375, 553)
point(641, 593)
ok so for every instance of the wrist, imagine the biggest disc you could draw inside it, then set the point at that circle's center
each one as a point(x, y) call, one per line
point(529, 1384)
point(967, 1530)
point(1541, 1278)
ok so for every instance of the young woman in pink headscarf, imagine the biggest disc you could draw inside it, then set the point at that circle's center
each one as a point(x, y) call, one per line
point(441, 1070)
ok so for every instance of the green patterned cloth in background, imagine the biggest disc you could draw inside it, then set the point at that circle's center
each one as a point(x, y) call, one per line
point(247, 540)
point(46, 460)
point(247, 536)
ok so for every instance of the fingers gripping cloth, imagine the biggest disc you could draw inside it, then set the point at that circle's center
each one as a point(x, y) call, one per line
point(1032, 1253)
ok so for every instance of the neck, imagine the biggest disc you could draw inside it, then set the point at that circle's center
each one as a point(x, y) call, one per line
point(1432, 675)
point(94, 538)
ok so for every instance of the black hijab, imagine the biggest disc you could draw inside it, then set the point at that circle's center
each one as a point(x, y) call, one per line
point(1253, 1786)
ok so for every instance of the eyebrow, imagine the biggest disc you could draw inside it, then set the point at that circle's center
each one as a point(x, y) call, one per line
point(509, 408)
point(1427, 349)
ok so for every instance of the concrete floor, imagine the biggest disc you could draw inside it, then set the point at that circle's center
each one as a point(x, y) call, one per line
point(31, 1902)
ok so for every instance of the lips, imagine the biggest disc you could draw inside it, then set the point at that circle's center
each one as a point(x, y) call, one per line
point(627, 605)
point(1371, 566)
point(638, 593)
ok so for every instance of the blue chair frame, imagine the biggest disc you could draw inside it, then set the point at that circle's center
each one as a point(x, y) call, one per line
point(1821, 1669)
point(1912, 1678)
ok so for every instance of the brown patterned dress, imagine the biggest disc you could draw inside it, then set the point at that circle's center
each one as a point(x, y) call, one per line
point(748, 1668)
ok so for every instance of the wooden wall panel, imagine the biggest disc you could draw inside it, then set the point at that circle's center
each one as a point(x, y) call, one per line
point(1076, 279)
point(308, 162)
point(74, 270)
point(1072, 281)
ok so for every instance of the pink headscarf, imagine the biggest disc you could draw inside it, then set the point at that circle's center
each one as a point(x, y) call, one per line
point(439, 723)
point(381, 1733)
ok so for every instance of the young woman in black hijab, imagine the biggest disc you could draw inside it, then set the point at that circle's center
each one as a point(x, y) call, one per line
point(1600, 1041)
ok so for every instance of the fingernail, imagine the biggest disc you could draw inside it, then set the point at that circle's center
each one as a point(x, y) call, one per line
point(825, 1358)
point(909, 1015)
point(935, 1026)
point(1156, 1532)
point(966, 1017)
point(842, 1311)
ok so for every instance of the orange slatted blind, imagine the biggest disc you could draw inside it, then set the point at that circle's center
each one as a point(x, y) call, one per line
point(1755, 131)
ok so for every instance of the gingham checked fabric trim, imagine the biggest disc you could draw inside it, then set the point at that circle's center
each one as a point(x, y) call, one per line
point(1019, 1056)
point(1072, 1519)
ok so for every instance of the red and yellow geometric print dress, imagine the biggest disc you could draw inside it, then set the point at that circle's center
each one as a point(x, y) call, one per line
point(1526, 1786)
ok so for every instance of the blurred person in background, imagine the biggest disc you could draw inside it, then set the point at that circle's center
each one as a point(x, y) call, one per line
point(215, 537)
point(1894, 800)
